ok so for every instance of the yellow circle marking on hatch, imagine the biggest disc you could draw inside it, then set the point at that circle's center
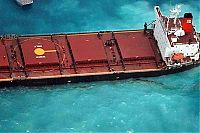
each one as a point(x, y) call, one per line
point(39, 51)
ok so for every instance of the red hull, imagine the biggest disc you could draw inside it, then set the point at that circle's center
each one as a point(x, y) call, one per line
point(46, 56)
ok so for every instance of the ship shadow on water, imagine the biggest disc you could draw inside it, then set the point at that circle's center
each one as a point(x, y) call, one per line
point(26, 7)
point(81, 86)
point(155, 84)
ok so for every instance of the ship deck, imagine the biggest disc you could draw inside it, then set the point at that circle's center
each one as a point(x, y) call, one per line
point(61, 55)
point(186, 39)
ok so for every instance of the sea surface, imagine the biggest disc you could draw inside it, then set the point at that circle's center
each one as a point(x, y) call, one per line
point(161, 104)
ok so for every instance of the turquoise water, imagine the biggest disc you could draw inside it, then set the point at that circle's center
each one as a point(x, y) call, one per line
point(161, 104)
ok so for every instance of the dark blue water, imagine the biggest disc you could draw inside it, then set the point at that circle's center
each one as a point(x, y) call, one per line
point(161, 104)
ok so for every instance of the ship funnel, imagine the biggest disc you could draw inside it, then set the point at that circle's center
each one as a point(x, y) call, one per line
point(187, 22)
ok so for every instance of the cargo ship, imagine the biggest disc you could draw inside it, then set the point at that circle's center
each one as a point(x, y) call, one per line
point(171, 45)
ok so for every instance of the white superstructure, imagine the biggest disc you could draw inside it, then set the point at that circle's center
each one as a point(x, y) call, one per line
point(176, 38)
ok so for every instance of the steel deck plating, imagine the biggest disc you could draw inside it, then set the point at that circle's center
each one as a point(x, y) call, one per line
point(42, 56)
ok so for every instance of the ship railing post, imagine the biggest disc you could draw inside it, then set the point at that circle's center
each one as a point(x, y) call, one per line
point(145, 28)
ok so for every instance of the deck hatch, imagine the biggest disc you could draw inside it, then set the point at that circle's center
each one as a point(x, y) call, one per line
point(39, 51)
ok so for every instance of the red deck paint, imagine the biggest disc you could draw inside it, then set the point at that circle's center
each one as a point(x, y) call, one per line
point(3, 57)
point(66, 54)
point(87, 48)
point(30, 46)
point(134, 45)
